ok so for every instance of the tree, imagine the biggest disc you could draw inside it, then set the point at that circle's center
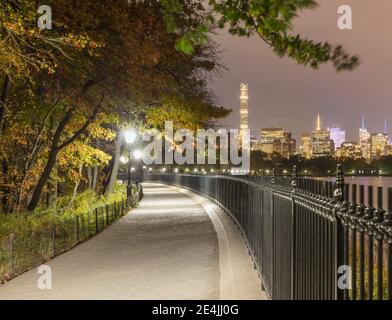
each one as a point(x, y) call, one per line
point(271, 20)
point(25, 49)
point(106, 64)
point(189, 114)
point(107, 75)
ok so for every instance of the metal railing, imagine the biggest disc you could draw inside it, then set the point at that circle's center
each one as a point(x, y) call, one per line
point(21, 252)
point(307, 240)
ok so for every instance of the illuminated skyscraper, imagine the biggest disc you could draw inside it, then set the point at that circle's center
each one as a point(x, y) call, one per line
point(337, 135)
point(378, 145)
point(289, 145)
point(322, 145)
point(277, 141)
point(349, 150)
point(271, 140)
point(244, 108)
point(306, 146)
point(364, 136)
point(386, 128)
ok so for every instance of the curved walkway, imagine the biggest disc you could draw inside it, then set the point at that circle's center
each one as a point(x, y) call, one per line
point(165, 249)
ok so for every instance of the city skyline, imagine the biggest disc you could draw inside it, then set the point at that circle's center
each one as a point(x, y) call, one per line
point(283, 94)
point(324, 142)
point(319, 124)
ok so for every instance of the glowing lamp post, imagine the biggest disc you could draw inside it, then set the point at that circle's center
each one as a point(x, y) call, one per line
point(129, 137)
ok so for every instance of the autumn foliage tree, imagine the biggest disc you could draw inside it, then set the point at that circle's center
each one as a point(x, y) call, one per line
point(67, 92)
point(127, 56)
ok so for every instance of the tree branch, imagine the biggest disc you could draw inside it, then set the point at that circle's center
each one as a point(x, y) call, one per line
point(84, 127)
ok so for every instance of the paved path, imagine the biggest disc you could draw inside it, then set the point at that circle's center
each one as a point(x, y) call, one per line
point(165, 249)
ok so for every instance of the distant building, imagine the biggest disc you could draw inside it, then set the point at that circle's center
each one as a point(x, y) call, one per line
point(349, 150)
point(270, 140)
point(289, 145)
point(338, 136)
point(244, 109)
point(277, 141)
point(364, 136)
point(254, 140)
point(322, 145)
point(389, 150)
point(306, 146)
point(378, 145)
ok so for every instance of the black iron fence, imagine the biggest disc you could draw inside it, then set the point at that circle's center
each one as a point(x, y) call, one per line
point(310, 239)
point(21, 252)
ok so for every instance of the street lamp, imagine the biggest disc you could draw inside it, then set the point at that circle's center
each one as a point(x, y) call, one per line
point(123, 159)
point(130, 136)
point(137, 154)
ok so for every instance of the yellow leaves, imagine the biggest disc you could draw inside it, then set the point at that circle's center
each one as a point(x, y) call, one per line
point(23, 45)
point(189, 115)
point(97, 130)
point(80, 153)
point(80, 42)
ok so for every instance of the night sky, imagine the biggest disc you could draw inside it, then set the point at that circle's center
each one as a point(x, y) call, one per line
point(286, 95)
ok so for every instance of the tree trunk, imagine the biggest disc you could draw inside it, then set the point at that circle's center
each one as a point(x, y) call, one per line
point(3, 100)
point(94, 178)
point(52, 190)
point(89, 177)
point(56, 147)
point(75, 190)
point(50, 164)
point(52, 195)
point(106, 176)
point(116, 164)
point(5, 190)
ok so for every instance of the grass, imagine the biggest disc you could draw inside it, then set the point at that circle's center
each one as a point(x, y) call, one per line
point(41, 218)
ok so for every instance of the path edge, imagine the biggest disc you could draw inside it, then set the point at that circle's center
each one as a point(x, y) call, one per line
point(219, 219)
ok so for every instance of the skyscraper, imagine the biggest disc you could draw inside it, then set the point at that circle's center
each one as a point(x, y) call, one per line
point(378, 145)
point(322, 145)
point(338, 136)
point(243, 109)
point(364, 136)
point(277, 141)
point(271, 140)
point(349, 150)
point(289, 145)
point(386, 128)
point(306, 146)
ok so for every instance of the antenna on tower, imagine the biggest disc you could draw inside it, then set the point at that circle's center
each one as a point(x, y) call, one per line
point(363, 122)
point(318, 122)
point(385, 125)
